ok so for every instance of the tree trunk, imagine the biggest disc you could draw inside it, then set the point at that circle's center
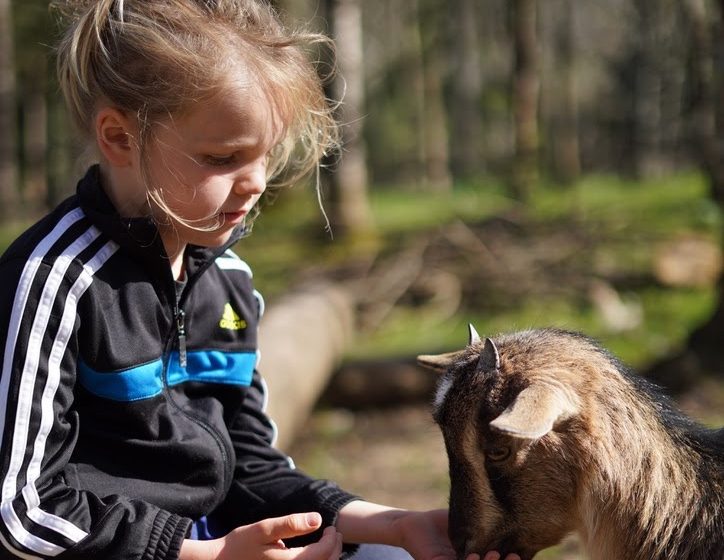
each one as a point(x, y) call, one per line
point(351, 214)
point(708, 98)
point(8, 119)
point(301, 341)
point(60, 154)
point(566, 156)
point(525, 98)
point(467, 83)
point(434, 117)
point(35, 136)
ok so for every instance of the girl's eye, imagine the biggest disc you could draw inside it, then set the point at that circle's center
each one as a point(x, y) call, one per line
point(218, 161)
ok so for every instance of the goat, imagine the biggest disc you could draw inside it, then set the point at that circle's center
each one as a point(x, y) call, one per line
point(548, 434)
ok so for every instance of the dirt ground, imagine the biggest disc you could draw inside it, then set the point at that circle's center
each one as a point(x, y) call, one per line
point(396, 455)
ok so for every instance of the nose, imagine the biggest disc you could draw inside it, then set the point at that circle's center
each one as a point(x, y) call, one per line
point(251, 182)
point(459, 538)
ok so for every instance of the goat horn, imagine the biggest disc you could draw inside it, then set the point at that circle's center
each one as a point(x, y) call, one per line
point(535, 411)
point(473, 336)
point(489, 357)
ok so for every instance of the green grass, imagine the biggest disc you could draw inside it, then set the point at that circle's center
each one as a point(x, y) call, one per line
point(653, 205)
point(629, 218)
point(669, 316)
point(406, 211)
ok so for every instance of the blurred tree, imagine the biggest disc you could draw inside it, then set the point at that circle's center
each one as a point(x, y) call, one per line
point(613, 79)
point(657, 80)
point(405, 61)
point(61, 153)
point(342, 71)
point(465, 60)
point(525, 92)
point(350, 213)
point(703, 353)
point(8, 120)
point(706, 92)
point(562, 129)
point(432, 119)
point(32, 26)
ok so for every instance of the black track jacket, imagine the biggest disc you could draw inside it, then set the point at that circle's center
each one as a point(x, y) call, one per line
point(126, 412)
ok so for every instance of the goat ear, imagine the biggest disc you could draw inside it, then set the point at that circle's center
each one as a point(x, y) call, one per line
point(438, 363)
point(535, 411)
point(489, 357)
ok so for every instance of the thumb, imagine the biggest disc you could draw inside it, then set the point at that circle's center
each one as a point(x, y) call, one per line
point(288, 526)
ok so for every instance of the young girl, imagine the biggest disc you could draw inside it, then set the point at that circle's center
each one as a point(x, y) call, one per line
point(133, 421)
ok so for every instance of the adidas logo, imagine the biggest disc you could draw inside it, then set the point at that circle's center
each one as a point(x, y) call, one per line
point(231, 320)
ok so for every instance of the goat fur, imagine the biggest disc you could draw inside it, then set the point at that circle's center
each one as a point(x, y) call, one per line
point(547, 433)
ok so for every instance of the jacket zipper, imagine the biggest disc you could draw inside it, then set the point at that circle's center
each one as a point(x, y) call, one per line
point(180, 319)
point(181, 333)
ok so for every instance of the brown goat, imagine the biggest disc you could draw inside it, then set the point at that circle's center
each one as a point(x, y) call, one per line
point(548, 434)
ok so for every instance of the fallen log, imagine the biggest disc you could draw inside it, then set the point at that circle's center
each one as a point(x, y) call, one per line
point(302, 338)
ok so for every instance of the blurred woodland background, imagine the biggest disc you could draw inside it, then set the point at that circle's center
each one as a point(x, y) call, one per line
point(510, 163)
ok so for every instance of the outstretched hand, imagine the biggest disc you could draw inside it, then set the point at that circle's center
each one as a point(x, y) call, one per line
point(263, 541)
point(424, 535)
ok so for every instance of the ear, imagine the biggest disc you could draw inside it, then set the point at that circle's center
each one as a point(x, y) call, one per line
point(114, 135)
point(535, 411)
point(439, 363)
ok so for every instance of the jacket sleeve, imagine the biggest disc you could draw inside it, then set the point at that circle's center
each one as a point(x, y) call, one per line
point(266, 482)
point(41, 514)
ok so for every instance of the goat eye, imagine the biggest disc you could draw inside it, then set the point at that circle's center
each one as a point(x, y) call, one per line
point(497, 454)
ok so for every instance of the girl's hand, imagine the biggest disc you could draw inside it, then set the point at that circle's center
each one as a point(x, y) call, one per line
point(424, 535)
point(263, 541)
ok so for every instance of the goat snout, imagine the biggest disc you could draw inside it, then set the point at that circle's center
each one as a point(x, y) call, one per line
point(460, 540)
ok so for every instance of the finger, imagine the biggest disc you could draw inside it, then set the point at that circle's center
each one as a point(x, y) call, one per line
point(492, 555)
point(473, 556)
point(288, 526)
point(512, 557)
point(337, 551)
point(324, 548)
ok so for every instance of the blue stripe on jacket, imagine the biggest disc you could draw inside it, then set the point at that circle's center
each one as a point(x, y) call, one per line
point(145, 381)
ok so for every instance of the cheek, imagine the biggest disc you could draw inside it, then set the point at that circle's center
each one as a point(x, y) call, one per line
point(206, 196)
point(545, 503)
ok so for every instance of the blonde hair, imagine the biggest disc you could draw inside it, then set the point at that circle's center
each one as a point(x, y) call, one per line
point(155, 58)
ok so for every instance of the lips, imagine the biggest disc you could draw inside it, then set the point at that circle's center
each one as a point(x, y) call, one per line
point(234, 217)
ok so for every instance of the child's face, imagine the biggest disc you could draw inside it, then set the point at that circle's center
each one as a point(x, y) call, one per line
point(211, 165)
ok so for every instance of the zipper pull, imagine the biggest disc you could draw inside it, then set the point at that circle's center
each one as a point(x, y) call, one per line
point(181, 330)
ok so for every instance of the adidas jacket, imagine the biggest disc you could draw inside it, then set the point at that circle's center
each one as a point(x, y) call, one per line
point(127, 411)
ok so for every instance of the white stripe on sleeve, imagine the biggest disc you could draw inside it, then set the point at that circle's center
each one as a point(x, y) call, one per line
point(28, 379)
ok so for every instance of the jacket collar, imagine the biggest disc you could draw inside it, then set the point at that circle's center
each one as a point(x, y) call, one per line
point(139, 236)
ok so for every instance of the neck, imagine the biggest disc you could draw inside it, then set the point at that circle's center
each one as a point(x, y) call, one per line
point(643, 501)
point(126, 192)
point(174, 251)
point(130, 200)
